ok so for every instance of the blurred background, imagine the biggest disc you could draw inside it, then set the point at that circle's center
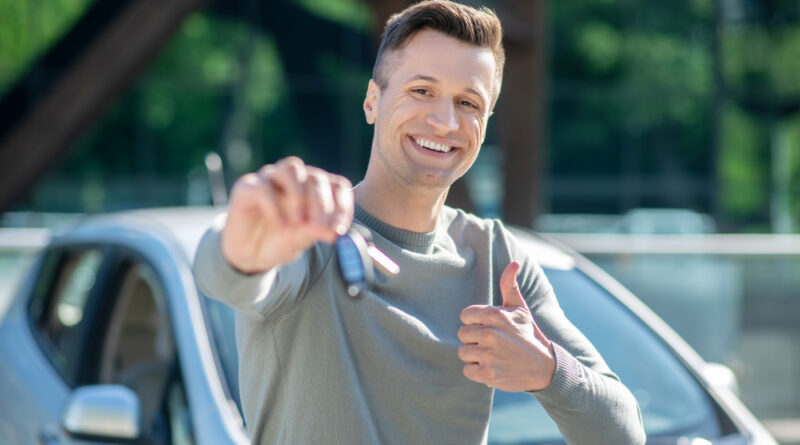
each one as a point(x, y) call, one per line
point(660, 139)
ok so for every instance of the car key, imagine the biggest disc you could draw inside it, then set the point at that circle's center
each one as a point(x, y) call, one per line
point(359, 257)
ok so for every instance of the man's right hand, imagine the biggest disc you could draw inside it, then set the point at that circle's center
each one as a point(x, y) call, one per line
point(274, 215)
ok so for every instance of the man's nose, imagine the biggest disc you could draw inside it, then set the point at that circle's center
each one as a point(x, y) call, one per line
point(443, 116)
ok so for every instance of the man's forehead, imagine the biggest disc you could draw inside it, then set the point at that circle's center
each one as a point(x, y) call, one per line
point(447, 53)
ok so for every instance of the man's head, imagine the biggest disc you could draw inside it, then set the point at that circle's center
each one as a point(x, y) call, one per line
point(479, 27)
point(437, 77)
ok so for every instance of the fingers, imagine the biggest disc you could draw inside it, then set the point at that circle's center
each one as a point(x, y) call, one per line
point(473, 354)
point(473, 334)
point(251, 196)
point(501, 317)
point(320, 205)
point(310, 198)
point(288, 177)
point(481, 373)
point(280, 211)
point(509, 287)
point(343, 213)
point(512, 298)
point(477, 314)
point(329, 199)
point(251, 201)
point(503, 347)
point(474, 372)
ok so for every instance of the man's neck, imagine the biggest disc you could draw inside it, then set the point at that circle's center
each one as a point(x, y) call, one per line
point(404, 207)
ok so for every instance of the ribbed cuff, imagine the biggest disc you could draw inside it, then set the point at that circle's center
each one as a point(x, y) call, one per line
point(566, 382)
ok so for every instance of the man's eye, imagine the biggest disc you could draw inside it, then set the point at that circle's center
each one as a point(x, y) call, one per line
point(421, 91)
point(467, 103)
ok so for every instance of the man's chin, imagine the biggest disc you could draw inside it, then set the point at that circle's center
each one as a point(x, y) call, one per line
point(430, 181)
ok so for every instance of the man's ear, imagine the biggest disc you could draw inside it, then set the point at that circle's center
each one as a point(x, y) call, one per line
point(371, 101)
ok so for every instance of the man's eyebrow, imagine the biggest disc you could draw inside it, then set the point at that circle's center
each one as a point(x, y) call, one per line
point(423, 77)
point(432, 79)
point(473, 91)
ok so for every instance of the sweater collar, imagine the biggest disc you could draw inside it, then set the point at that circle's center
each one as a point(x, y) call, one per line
point(404, 238)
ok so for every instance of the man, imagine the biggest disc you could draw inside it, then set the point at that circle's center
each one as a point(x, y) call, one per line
point(416, 358)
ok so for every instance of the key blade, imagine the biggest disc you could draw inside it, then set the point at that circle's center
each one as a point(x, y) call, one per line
point(383, 262)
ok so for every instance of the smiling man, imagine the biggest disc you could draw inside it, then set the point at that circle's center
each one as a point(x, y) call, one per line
point(416, 358)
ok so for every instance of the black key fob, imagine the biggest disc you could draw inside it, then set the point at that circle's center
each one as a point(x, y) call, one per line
point(358, 258)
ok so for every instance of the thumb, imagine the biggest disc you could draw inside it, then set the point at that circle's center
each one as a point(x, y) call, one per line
point(509, 287)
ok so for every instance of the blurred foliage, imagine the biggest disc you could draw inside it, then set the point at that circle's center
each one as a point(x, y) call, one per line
point(353, 13)
point(633, 95)
point(219, 85)
point(629, 80)
point(763, 61)
point(175, 113)
point(29, 27)
point(745, 169)
point(632, 99)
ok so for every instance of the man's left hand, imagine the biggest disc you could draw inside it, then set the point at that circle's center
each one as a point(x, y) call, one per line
point(503, 346)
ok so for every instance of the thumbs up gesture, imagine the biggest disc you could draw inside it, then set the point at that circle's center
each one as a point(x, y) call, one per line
point(503, 347)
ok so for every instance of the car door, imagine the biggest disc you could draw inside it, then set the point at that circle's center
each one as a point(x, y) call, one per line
point(137, 349)
point(41, 340)
point(98, 315)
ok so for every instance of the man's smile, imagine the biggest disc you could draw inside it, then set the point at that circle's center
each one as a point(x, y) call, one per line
point(430, 146)
point(433, 145)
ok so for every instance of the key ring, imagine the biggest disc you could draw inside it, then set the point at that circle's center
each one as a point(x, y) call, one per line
point(359, 257)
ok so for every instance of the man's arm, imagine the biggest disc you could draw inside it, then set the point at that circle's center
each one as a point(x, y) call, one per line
point(505, 349)
point(274, 216)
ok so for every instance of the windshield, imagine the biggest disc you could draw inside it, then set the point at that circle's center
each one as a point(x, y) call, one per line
point(220, 320)
point(673, 404)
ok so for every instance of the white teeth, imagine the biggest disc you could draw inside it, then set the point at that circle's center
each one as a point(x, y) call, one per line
point(433, 145)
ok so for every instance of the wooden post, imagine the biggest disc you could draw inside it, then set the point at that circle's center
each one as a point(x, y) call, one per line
point(521, 109)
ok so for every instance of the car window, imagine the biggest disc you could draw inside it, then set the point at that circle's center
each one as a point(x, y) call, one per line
point(103, 318)
point(66, 280)
point(220, 318)
point(138, 350)
point(672, 402)
point(178, 414)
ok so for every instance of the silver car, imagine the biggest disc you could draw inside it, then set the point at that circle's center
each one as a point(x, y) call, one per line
point(109, 340)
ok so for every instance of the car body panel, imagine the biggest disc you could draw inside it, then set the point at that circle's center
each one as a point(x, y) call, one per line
point(166, 239)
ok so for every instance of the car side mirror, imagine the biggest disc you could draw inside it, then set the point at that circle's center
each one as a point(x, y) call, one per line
point(103, 413)
point(720, 375)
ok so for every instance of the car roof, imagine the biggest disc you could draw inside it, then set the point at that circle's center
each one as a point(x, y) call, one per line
point(186, 225)
point(183, 225)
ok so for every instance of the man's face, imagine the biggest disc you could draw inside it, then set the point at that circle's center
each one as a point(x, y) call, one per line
point(430, 119)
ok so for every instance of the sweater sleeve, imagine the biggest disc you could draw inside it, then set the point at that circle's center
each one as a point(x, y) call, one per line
point(266, 294)
point(586, 399)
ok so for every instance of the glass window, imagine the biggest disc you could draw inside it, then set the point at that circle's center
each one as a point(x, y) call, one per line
point(62, 294)
point(673, 403)
point(221, 323)
point(179, 417)
point(138, 350)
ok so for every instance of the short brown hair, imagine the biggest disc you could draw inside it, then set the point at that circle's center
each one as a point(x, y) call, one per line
point(479, 27)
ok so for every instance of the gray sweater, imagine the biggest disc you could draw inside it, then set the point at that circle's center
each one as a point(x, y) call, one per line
point(319, 367)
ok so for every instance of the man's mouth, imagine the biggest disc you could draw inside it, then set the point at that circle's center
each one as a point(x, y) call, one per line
point(430, 145)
